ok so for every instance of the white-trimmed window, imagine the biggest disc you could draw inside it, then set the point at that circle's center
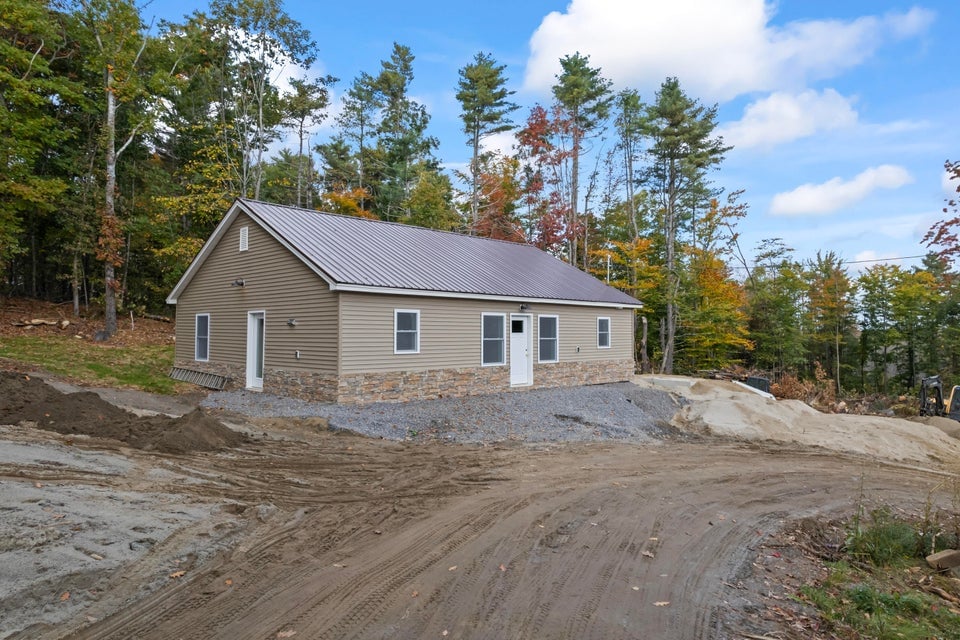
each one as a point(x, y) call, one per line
point(548, 335)
point(603, 333)
point(244, 238)
point(493, 332)
point(406, 331)
point(201, 346)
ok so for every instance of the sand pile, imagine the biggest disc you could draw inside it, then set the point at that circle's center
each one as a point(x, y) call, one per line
point(26, 399)
point(729, 409)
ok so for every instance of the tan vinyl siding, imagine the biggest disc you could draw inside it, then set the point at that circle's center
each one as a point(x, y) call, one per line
point(275, 281)
point(450, 332)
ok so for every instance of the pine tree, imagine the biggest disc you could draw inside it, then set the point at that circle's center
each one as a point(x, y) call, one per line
point(486, 110)
point(681, 153)
point(585, 96)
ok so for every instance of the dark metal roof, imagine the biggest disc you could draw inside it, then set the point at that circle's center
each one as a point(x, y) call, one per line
point(372, 253)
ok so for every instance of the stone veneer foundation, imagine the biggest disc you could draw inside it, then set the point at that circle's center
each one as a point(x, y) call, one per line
point(397, 386)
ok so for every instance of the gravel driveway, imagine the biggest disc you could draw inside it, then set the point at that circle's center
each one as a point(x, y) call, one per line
point(620, 411)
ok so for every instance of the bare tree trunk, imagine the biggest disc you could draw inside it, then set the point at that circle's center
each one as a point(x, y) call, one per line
point(75, 283)
point(300, 167)
point(108, 233)
point(673, 280)
point(574, 191)
point(474, 188)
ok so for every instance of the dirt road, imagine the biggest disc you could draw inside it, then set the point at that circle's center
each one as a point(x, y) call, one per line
point(345, 537)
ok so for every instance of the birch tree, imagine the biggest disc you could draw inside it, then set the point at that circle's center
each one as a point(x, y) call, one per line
point(117, 39)
point(264, 43)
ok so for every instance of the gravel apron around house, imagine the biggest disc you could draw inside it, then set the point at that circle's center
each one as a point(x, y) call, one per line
point(620, 411)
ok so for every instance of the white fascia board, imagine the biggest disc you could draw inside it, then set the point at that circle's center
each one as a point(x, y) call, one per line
point(361, 288)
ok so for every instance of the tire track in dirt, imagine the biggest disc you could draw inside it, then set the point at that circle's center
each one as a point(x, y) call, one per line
point(594, 541)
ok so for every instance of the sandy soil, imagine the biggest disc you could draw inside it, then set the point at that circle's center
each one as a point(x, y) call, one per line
point(731, 409)
point(299, 532)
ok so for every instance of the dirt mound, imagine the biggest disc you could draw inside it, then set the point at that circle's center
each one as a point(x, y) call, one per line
point(724, 408)
point(948, 425)
point(23, 398)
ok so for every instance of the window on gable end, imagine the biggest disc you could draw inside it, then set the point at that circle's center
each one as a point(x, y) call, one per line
point(201, 350)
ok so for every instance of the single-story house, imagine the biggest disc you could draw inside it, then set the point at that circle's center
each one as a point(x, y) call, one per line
point(338, 308)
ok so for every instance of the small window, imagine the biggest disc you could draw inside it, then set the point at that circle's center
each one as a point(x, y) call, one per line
point(244, 238)
point(201, 350)
point(406, 331)
point(603, 333)
point(548, 338)
point(494, 339)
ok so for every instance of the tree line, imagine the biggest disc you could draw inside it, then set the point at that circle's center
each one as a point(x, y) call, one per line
point(123, 144)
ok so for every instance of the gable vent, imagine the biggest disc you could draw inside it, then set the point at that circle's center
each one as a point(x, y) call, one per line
point(244, 238)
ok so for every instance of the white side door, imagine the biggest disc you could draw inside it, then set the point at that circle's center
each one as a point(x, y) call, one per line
point(521, 350)
point(256, 322)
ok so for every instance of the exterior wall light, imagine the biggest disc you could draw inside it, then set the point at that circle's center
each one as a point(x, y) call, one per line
point(291, 322)
point(237, 283)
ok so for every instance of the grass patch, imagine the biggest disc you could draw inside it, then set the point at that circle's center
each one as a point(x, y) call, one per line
point(882, 606)
point(144, 367)
point(882, 588)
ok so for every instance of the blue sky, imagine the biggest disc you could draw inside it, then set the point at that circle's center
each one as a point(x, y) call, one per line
point(841, 113)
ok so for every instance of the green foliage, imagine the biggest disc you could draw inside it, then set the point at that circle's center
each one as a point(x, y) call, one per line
point(582, 91)
point(830, 311)
point(430, 203)
point(484, 99)
point(32, 43)
point(883, 541)
point(486, 109)
point(682, 151)
point(868, 594)
point(775, 291)
point(872, 611)
point(196, 105)
point(583, 95)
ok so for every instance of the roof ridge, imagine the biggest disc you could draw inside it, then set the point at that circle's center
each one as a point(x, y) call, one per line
point(389, 222)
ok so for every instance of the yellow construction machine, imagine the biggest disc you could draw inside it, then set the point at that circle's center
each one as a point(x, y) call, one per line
point(932, 402)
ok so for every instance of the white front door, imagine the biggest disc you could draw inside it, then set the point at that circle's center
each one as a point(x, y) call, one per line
point(255, 341)
point(521, 352)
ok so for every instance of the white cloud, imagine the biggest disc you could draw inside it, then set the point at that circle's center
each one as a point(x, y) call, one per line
point(782, 117)
point(949, 183)
point(835, 194)
point(718, 48)
point(863, 260)
point(502, 143)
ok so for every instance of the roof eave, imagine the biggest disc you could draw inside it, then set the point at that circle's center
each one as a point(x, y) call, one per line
point(362, 288)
